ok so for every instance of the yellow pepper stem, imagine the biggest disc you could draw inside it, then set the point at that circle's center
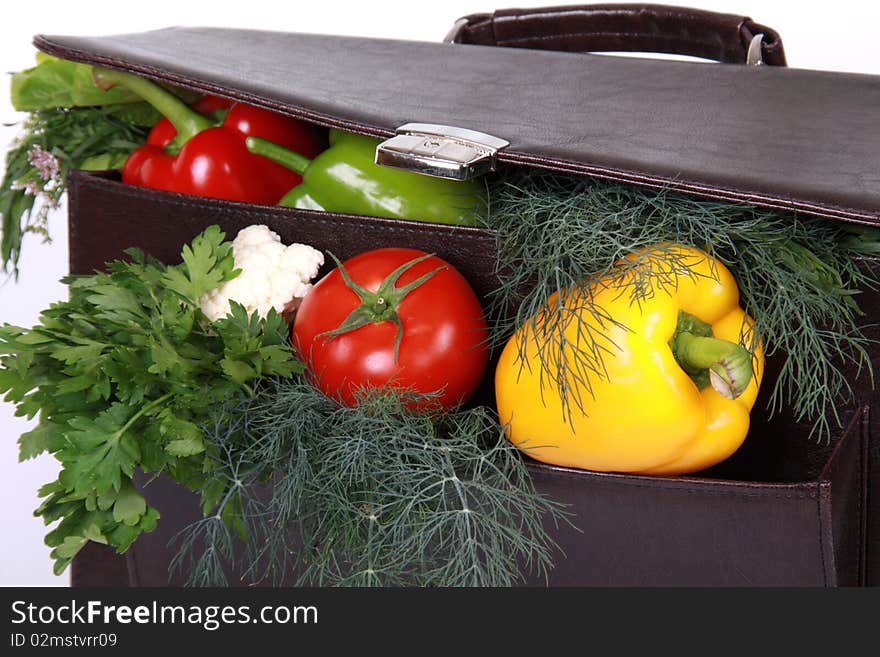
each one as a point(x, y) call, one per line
point(725, 365)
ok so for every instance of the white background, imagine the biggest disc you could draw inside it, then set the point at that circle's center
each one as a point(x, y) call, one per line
point(841, 36)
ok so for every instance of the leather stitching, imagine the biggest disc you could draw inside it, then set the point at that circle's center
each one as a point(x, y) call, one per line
point(636, 35)
point(166, 199)
point(693, 187)
point(834, 210)
point(760, 490)
point(820, 532)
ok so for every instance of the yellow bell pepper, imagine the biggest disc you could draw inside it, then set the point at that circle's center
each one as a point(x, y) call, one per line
point(678, 384)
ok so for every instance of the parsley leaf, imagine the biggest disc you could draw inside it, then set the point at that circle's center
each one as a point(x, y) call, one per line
point(207, 264)
point(125, 375)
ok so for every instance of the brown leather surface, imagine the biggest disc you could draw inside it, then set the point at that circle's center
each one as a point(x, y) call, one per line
point(870, 304)
point(643, 531)
point(625, 28)
point(108, 216)
point(99, 565)
point(872, 556)
point(782, 512)
point(765, 135)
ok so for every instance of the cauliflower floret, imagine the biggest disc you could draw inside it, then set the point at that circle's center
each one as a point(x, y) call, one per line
point(272, 274)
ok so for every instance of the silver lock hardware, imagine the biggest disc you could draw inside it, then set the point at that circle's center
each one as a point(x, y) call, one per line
point(440, 150)
point(755, 56)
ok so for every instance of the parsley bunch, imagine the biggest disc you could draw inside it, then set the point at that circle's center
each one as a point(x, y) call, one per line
point(125, 375)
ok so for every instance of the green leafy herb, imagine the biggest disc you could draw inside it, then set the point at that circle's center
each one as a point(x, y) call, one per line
point(799, 278)
point(375, 495)
point(123, 376)
point(53, 142)
point(72, 124)
point(55, 83)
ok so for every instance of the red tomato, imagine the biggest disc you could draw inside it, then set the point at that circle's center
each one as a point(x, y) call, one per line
point(442, 331)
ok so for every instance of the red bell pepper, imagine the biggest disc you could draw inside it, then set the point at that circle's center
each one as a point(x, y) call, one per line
point(163, 132)
point(202, 156)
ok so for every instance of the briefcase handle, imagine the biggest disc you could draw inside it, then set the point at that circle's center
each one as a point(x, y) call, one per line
point(626, 28)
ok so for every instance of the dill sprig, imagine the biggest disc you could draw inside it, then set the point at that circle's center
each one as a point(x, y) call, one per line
point(50, 144)
point(372, 495)
point(798, 278)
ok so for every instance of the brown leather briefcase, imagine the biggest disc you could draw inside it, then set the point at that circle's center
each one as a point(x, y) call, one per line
point(784, 511)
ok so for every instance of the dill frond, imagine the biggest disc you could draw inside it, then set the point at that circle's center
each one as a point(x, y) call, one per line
point(798, 279)
point(82, 137)
point(375, 495)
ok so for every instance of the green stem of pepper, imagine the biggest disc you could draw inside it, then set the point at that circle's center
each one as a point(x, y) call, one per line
point(725, 365)
point(278, 154)
point(185, 120)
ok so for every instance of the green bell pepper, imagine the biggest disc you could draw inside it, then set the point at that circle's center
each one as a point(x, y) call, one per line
point(344, 178)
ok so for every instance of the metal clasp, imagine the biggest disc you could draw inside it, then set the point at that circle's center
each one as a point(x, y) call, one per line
point(456, 29)
point(440, 150)
point(755, 55)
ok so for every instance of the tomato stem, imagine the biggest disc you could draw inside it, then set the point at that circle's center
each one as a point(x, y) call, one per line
point(380, 305)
